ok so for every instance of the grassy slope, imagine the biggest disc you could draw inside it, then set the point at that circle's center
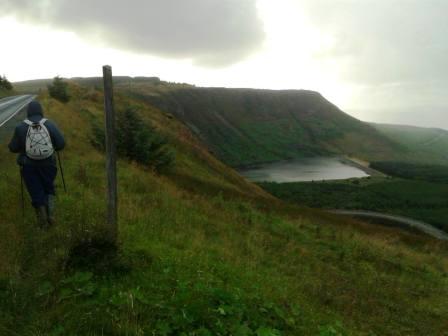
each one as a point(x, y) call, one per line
point(5, 93)
point(429, 144)
point(204, 250)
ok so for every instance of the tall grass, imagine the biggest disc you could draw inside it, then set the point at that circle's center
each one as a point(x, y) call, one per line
point(202, 252)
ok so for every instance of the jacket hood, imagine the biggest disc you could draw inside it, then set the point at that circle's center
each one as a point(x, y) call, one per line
point(35, 112)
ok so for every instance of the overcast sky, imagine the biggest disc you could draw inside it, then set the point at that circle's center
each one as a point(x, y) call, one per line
point(379, 60)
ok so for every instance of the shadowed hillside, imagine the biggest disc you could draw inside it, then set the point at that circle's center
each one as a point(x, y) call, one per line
point(245, 126)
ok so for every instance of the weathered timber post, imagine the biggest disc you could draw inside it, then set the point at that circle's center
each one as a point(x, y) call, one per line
point(111, 154)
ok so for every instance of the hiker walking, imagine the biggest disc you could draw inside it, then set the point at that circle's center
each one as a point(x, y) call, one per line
point(36, 139)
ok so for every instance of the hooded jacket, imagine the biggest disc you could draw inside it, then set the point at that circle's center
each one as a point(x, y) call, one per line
point(18, 141)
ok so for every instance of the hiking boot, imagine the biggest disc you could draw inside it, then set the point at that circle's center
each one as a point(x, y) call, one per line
point(50, 210)
point(42, 219)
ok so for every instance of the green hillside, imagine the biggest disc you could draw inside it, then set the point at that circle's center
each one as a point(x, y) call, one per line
point(244, 126)
point(247, 126)
point(202, 252)
point(428, 144)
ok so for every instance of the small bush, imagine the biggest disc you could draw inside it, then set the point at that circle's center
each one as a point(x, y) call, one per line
point(5, 84)
point(138, 142)
point(98, 140)
point(59, 90)
point(95, 254)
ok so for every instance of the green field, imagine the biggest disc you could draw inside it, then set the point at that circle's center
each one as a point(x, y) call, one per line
point(422, 200)
point(202, 252)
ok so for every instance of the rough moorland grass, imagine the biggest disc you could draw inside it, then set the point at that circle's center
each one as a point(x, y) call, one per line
point(202, 252)
point(6, 93)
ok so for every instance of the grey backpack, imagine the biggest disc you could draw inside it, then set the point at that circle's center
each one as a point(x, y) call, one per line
point(38, 143)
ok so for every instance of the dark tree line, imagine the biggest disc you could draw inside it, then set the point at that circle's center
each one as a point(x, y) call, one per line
point(426, 172)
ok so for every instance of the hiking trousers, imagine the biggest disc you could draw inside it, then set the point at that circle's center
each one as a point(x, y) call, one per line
point(39, 181)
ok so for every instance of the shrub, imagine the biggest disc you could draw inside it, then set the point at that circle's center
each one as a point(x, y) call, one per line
point(59, 90)
point(138, 141)
point(98, 140)
point(5, 84)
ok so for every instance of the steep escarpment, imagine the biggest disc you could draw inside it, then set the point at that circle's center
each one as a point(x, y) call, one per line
point(247, 126)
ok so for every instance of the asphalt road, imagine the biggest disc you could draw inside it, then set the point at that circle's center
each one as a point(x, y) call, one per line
point(401, 221)
point(10, 106)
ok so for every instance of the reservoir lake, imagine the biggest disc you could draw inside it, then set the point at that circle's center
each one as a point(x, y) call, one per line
point(306, 169)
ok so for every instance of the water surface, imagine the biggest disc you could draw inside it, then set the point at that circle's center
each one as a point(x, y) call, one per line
point(307, 169)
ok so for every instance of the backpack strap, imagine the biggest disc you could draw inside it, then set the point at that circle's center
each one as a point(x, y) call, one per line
point(30, 123)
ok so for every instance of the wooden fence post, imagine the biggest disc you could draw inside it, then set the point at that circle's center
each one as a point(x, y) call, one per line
point(111, 154)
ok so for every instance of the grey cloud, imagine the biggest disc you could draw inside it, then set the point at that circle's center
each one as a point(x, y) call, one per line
point(210, 32)
point(385, 41)
point(433, 117)
point(404, 103)
point(396, 49)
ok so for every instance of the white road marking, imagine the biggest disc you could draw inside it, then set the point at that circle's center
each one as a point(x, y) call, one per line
point(10, 103)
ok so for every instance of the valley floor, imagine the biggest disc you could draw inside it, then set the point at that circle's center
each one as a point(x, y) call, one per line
point(421, 200)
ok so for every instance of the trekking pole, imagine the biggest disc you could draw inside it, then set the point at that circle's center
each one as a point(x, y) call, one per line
point(22, 194)
point(62, 172)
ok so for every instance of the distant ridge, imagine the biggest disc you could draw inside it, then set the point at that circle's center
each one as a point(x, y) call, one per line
point(34, 85)
point(430, 144)
point(250, 126)
point(244, 126)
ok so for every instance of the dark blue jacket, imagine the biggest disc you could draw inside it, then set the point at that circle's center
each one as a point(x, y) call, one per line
point(18, 141)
